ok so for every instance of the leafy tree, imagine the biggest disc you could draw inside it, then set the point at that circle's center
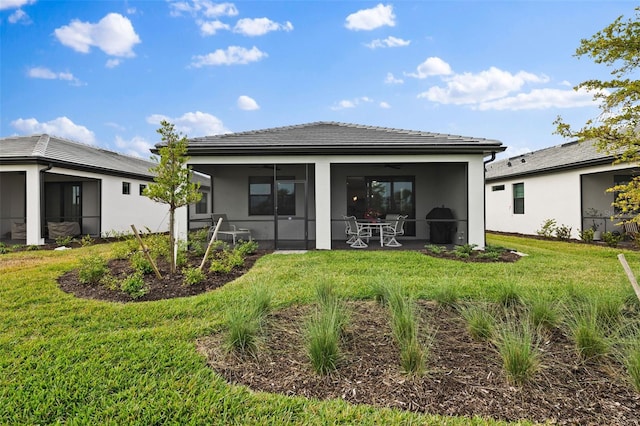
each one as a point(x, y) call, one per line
point(173, 184)
point(615, 130)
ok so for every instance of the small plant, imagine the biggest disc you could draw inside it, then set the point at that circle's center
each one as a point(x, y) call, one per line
point(480, 322)
point(587, 333)
point(192, 276)
point(380, 292)
point(491, 255)
point(548, 228)
point(198, 241)
point(404, 326)
point(508, 295)
point(587, 235)
point(246, 248)
point(32, 247)
point(242, 330)
point(447, 296)
point(86, 241)
point(63, 240)
point(465, 250)
point(631, 360)
point(261, 301)
point(543, 312)
point(140, 263)
point(110, 282)
point(563, 232)
point(4, 249)
point(323, 336)
point(225, 261)
point(612, 239)
point(435, 249)
point(133, 285)
point(92, 269)
point(520, 358)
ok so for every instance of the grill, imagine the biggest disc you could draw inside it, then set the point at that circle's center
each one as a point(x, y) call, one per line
point(442, 225)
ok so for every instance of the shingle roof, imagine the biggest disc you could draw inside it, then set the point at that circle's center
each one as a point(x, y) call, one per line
point(566, 156)
point(62, 152)
point(333, 137)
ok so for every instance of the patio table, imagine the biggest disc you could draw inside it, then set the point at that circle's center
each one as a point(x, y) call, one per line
point(379, 225)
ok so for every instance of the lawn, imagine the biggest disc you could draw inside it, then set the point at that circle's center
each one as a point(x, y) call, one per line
point(68, 360)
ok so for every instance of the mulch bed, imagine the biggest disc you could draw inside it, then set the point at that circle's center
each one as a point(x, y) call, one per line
point(463, 378)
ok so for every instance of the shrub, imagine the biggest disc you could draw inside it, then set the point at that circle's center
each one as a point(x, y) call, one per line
point(224, 261)
point(586, 235)
point(198, 241)
point(435, 249)
point(124, 249)
point(33, 247)
point(192, 276)
point(158, 245)
point(86, 241)
point(480, 322)
point(110, 282)
point(520, 358)
point(133, 285)
point(465, 249)
point(611, 239)
point(563, 232)
point(547, 229)
point(92, 269)
point(246, 248)
point(4, 249)
point(140, 263)
point(63, 240)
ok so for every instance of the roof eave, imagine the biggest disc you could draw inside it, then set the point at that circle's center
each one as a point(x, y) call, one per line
point(73, 166)
point(578, 165)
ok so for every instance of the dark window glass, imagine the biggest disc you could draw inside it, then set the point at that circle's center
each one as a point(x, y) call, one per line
point(201, 206)
point(497, 188)
point(142, 187)
point(518, 198)
point(126, 188)
point(261, 196)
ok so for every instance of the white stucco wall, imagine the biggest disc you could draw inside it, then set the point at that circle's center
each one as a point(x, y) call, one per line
point(555, 196)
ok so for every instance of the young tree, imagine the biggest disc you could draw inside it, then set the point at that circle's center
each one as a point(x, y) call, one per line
point(615, 130)
point(172, 179)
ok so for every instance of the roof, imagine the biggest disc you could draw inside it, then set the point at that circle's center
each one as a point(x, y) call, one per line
point(571, 155)
point(338, 138)
point(45, 149)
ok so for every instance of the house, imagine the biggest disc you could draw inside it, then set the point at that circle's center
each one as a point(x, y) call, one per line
point(293, 185)
point(567, 183)
point(52, 187)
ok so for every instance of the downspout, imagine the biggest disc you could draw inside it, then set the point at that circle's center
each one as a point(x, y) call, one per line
point(42, 210)
point(493, 158)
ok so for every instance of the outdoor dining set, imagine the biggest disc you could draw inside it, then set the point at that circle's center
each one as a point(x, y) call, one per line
point(359, 233)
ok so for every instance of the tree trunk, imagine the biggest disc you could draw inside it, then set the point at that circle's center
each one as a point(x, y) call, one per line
point(172, 258)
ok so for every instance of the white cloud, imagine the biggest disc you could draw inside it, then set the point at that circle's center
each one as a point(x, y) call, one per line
point(203, 7)
point(370, 19)
point(432, 66)
point(14, 4)
point(47, 74)
point(247, 104)
point(112, 63)
point(234, 55)
point(388, 42)
point(114, 34)
point(350, 103)
point(136, 146)
point(19, 16)
point(469, 88)
point(193, 124)
point(384, 105)
point(390, 79)
point(61, 126)
point(541, 99)
point(260, 26)
point(211, 27)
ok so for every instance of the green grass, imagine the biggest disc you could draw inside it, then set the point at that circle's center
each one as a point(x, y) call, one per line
point(74, 361)
point(520, 356)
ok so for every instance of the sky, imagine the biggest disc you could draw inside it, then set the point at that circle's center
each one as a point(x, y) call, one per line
point(106, 73)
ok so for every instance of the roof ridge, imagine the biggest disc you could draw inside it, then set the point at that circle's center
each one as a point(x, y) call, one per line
point(40, 147)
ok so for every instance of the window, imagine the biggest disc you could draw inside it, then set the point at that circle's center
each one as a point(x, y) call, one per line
point(261, 196)
point(126, 188)
point(518, 198)
point(497, 188)
point(201, 206)
point(142, 188)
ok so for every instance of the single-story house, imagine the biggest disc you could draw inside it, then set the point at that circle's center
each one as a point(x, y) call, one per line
point(567, 183)
point(293, 185)
point(52, 187)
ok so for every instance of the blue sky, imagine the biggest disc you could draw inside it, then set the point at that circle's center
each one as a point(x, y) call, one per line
point(106, 72)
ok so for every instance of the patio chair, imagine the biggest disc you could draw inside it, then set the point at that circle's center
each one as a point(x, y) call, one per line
point(227, 228)
point(396, 228)
point(347, 230)
point(358, 231)
point(631, 229)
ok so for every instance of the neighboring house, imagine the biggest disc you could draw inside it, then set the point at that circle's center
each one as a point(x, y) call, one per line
point(567, 183)
point(45, 181)
point(294, 184)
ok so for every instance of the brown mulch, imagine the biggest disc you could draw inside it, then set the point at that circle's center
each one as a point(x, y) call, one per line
point(463, 377)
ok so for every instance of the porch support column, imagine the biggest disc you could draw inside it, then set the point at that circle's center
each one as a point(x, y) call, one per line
point(34, 197)
point(476, 202)
point(323, 205)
